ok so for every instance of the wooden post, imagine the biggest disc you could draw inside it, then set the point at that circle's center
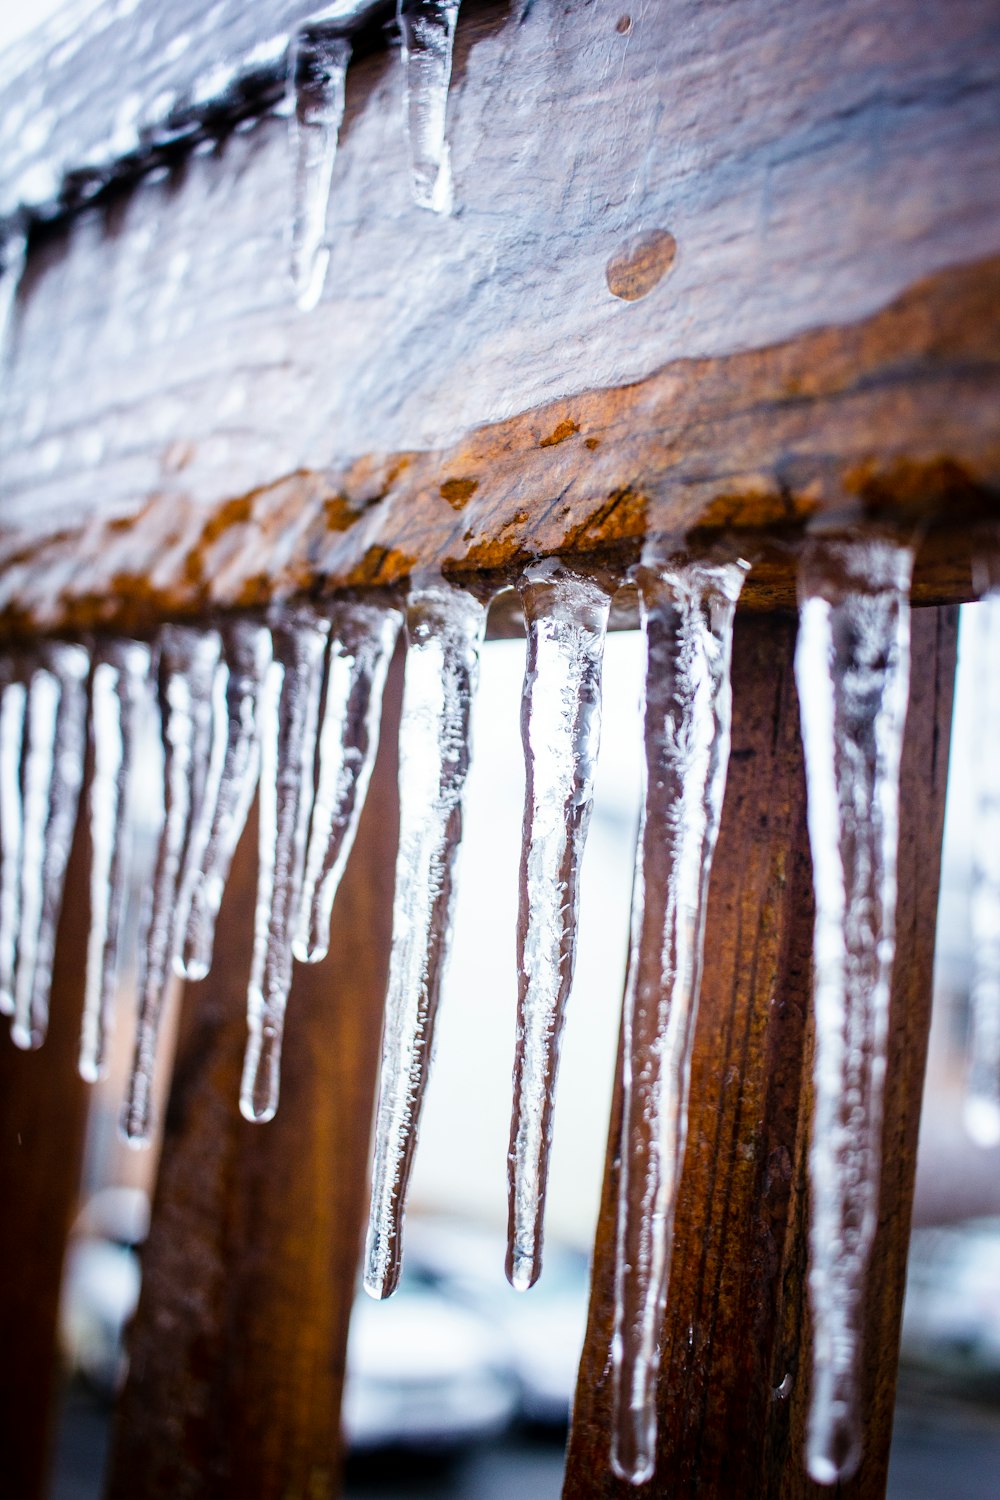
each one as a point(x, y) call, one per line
point(734, 1385)
point(237, 1353)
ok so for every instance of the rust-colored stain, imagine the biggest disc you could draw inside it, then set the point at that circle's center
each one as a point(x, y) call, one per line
point(458, 492)
point(339, 514)
point(591, 443)
point(559, 434)
point(640, 265)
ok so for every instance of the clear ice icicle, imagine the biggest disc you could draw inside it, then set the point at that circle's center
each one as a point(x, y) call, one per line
point(852, 673)
point(428, 31)
point(361, 644)
point(119, 687)
point(982, 1092)
point(56, 739)
point(13, 253)
point(687, 611)
point(187, 661)
point(567, 617)
point(317, 75)
point(444, 631)
point(13, 699)
point(289, 714)
point(247, 653)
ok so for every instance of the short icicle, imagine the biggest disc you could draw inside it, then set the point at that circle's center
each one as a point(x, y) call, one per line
point(13, 700)
point(428, 32)
point(187, 660)
point(567, 617)
point(982, 1090)
point(289, 715)
point(361, 644)
point(852, 673)
point(317, 75)
point(53, 773)
point(13, 254)
point(687, 612)
point(445, 628)
point(246, 653)
point(119, 689)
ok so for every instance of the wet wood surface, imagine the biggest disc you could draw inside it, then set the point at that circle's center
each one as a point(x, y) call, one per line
point(734, 1385)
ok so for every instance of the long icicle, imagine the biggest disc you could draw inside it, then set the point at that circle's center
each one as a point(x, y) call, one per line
point(13, 699)
point(445, 628)
point(53, 774)
point(13, 255)
point(982, 1087)
point(289, 714)
point(687, 611)
point(852, 673)
point(187, 664)
point(428, 32)
point(247, 654)
point(317, 76)
point(567, 617)
point(361, 644)
point(118, 695)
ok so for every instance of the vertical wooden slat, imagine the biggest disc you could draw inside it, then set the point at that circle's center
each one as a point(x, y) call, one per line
point(730, 1423)
point(237, 1353)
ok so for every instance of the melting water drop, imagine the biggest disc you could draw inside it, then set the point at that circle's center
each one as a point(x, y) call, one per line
point(567, 618)
point(289, 713)
point(445, 628)
point(687, 611)
point(53, 774)
point(13, 254)
point(118, 697)
point(247, 653)
point(428, 32)
point(12, 708)
point(852, 672)
point(187, 667)
point(982, 1098)
point(362, 640)
point(317, 75)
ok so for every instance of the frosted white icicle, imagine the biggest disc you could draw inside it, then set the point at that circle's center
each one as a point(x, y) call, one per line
point(289, 714)
point(444, 632)
point(982, 1096)
point(119, 689)
point(428, 31)
point(687, 611)
point(13, 253)
point(567, 618)
point(247, 652)
point(361, 644)
point(56, 724)
point(186, 679)
point(13, 698)
point(852, 673)
point(317, 75)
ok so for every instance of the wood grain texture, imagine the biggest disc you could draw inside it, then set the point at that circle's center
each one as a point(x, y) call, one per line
point(737, 1323)
point(237, 1351)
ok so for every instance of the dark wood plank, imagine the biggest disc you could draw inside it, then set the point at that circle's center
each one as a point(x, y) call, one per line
point(737, 1323)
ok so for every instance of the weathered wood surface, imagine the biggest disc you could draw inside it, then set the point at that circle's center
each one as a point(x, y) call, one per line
point(237, 1351)
point(815, 187)
point(43, 1112)
point(737, 1327)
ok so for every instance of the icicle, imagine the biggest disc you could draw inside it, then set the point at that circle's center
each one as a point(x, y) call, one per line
point(567, 618)
point(317, 74)
point(247, 651)
point(12, 707)
point(852, 672)
point(688, 619)
point(13, 254)
point(289, 713)
point(982, 1097)
point(118, 694)
point(53, 773)
point(187, 666)
point(428, 32)
point(444, 630)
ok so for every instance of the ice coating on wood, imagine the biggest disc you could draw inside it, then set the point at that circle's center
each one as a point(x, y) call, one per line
point(361, 644)
point(687, 614)
point(56, 723)
point(289, 714)
point(118, 694)
point(186, 677)
point(317, 72)
point(246, 653)
point(982, 1094)
point(445, 628)
point(428, 31)
point(567, 618)
point(852, 673)
point(13, 252)
point(13, 699)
